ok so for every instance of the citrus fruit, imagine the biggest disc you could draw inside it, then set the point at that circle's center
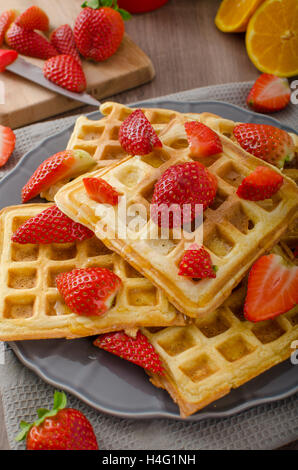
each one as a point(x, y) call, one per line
point(233, 17)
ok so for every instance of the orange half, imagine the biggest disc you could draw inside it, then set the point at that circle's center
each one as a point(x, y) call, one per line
point(233, 16)
point(272, 38)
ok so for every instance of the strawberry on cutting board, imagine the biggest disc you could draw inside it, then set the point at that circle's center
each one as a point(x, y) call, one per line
point(269, 94)
point(7, 57)
point(34, 18)
point(88, 291)
point(101, 191)
point(203, 141)
point(137, 350)
point(196, 263)
point(58, 429)
point(137, 136)
point(63, 40)
point(66, 71)
point(272, 288)
point(29, 42)
point(261, 184)
point(6, 18)
point(65, 164)
point(7, 143)
point(51, 226)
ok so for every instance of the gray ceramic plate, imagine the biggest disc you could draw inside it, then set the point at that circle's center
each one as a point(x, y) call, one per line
point(106, 382)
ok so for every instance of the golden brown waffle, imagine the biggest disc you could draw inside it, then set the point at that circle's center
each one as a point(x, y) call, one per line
point(30, 305)
point(236, 232)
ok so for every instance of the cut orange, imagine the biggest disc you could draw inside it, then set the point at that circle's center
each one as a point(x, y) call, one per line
point(233, 16)
point(272, 38)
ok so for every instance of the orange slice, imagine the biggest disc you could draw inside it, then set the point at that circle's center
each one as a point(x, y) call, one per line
point(233, 17)
point(272, 38)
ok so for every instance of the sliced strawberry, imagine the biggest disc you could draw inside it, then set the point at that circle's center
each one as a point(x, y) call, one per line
point(269, 94)
point(7, 57)
point(51, 226)
point(196, 263)
point(89, 291)
point(6, 18)
point(267, 142)
point(136, 350)
point(137, 136)
point(260, 184)
point(63, 40)
point(7, 144)
point(101, 191)
point(29, 42)
point(34, 18)
point(203, 141)
point(68, 163)
point(65, 71)
point(272, 288)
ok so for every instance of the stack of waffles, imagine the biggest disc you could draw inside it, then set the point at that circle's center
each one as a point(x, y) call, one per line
point(197, 327)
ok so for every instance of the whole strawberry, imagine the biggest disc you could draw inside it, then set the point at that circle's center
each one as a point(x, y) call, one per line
point(267, 142)
point(29, 42)
point(63, 40)
point(99, 29)
point(65, 70)
point(58, 429)
point(137, 136)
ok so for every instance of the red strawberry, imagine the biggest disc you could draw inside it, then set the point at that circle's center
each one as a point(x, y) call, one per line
point(6, 18)
point(203, 141)
point(65, 71)
point(137, 136)
point(34, 18)
point(88, 291)
point(7, 143)
point(260, 184)
point(51, 226)
point(269, 94)
point(98, 32)
point(101, 191)
point(62, 39)
point(58, 429)
point(137, 350)
point(267, 142)
point(186, 183)
point(68, 163)
point(272, 288)
point(7, 57)
point(135, 6)
point(196, 263)
point(29, 43)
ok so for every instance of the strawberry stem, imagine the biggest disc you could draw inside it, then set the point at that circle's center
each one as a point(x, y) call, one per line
point(95, 4)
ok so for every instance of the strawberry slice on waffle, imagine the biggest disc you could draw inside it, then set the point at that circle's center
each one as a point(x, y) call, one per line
point(137, 136)
point(203, 141)
point(101, 191)
point(261, 184)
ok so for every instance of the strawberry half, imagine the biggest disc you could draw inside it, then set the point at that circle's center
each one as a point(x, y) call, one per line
point(63, 40)
point(101, 191)
point(260, 184)
point(58, 429)
point(7, 144)
point(136, 350)
point(51, 226)
point(88, 291)
point(137, 136)
point(266, 142)
point(272, 288)
point(68, 163)
point(196, 263)
point(202, 140)
point(7, 57)
point(187, 183)
point(29, 43)
point(269, 94)
point(6, 18)
point(34, 18)
point(65, 71)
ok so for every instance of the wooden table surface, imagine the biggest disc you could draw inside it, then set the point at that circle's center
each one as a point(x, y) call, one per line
point(188, 52)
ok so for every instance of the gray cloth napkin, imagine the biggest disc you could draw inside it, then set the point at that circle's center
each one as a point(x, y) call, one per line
point(263, 427)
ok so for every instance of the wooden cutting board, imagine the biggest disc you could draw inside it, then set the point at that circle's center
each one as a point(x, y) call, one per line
point(26, 102)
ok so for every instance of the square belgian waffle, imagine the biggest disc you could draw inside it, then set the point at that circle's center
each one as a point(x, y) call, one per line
point(236, 231)
point(31, 306)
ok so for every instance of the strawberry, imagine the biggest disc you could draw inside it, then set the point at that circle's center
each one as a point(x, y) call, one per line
point(99, 31)
point(137, 136)
point(63, 40)
point(203, 141)
point(7, 57)
point(7, 143)
point(68, 163)
point(6, 18)
point(272, 288)
point(269, 94)
point(34, 18)
point(65, 71)
point(51, 226)
point(101, 191)
point(137, 350)
point(135, 6)
point(29, 43)
point(196, 263)
point(58, 429)
point(88, 291)
point(186, 183)
point(267, 142)
point(261, 184)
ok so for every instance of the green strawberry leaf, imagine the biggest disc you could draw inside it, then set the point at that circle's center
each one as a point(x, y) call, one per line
point(41, 412)
point(125, 14)
point(95, 4)
point(25, 427)
point(91, 4)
